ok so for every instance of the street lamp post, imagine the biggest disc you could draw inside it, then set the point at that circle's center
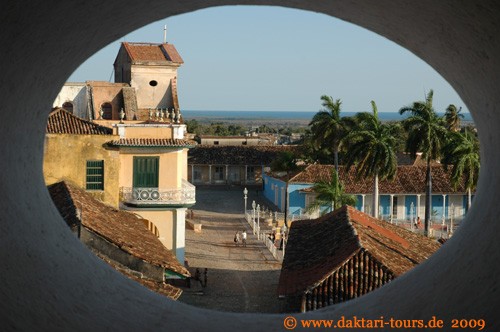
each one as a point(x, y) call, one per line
point(245, 196)
point(444, 212)
point(450, 231)
point(253, 216)
point(412, 221)
point(283, 238)
point(258, 221)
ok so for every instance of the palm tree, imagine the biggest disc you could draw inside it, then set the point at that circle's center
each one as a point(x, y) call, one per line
point(462, 152)
point(327, 125)
point(452, 117)
point(371, 146)
point(331, 193)
point(426, 134)
point(285, 162)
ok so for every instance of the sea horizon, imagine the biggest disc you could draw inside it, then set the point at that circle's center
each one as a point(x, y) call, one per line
point(284, 115)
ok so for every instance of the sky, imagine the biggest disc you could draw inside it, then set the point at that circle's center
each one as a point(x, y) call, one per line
point(260, 58)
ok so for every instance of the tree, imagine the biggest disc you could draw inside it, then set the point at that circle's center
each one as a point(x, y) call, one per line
point(426, 134)
point(331, 193)
point(219, 129)
point(452, 117)
point(371, 150)
point(312, 153)
point(462, 152)
point(328, 126)
point(192, 126)
point(285, 162)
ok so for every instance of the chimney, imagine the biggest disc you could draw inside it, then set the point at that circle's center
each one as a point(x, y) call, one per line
point(165, 34)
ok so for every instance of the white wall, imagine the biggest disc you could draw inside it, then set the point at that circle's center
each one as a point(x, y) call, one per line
point(76, 93)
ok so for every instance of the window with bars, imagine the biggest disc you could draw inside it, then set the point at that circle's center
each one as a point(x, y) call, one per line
point(95, 175)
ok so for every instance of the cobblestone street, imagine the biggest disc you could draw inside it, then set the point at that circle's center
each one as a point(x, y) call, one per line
point(239, 279)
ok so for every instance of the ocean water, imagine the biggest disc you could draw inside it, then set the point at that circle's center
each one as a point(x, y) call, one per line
point(276, 115)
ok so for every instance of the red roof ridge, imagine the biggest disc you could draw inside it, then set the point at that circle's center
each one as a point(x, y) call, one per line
point(363, 219)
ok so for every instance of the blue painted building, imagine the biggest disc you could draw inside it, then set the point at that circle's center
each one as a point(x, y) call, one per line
point(400, 199)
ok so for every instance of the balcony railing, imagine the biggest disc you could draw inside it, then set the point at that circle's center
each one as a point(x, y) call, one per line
point(186, 195)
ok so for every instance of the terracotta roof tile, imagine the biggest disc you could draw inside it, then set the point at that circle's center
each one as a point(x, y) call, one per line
point(171, 53)
point(61, 121)
point(153, 52)
point(317, 248)
point(124, 229)
point(408, 180)
point(235, 155)
point(159, 287)
point(152, 142)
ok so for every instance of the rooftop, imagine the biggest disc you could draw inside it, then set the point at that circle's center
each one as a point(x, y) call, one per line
point(408, 179)
point(235, 155)
point(152, 52)
point(159, 287)
point(124, 229)
point(316, 248)
point(61, 121)
point(153, 142)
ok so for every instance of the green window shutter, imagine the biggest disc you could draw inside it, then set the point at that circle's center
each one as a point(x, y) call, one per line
point(146, 172)
point(95, 175)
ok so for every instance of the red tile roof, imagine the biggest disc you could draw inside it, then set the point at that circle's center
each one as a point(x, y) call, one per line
point(61, 121)
point(408, 180)
point(152, 52)
point(152, 142)
point(317, 248)
point(124, 229)
point(159, 287)
point(236, 155)
point(171, 53)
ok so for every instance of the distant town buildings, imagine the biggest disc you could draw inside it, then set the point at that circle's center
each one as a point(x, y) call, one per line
point(231, 165)
point(237, 140)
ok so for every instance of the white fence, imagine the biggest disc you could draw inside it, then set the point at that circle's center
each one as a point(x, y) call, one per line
point(438, 229)
point(262, 231)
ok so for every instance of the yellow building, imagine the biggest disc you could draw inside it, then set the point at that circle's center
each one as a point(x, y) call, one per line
point(153, 178)
point(93, 167)
point(142, 157)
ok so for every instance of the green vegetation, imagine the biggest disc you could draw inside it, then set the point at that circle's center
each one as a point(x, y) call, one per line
point(328, 128)
point(330, 193)
point(371, 145)
point(426, 134)
point(237, 129)
point(462, 152)
point(217, 128)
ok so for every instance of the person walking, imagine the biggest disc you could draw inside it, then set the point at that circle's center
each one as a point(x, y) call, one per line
point(237, 239)
point(244, 238)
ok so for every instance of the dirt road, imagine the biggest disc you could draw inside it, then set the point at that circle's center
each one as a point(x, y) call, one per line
point(239, 279)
